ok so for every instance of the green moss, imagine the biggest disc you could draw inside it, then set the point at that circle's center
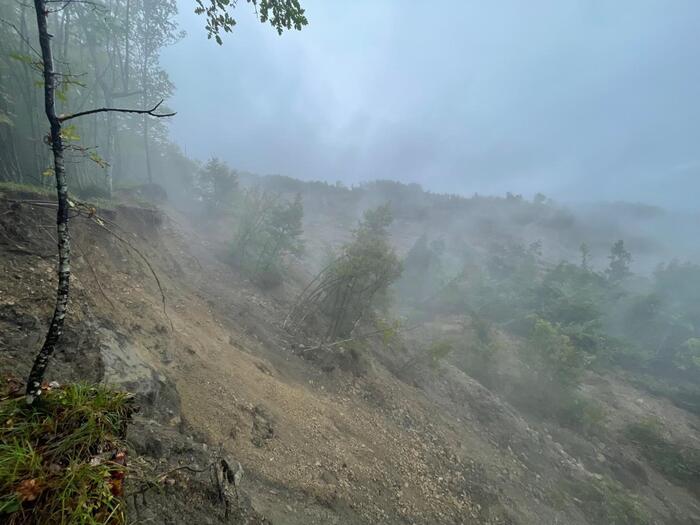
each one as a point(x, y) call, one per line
point(60, 459)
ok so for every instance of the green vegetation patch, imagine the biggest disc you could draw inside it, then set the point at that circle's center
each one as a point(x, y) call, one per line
point(28, 189)
point(62, 460)
point(670, 459)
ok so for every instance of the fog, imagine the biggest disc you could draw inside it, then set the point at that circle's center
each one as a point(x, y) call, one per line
point(580, 100)
point(409, 263)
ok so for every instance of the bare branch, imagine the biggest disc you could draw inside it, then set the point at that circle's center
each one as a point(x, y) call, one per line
point(151, 112)
point(21, 36)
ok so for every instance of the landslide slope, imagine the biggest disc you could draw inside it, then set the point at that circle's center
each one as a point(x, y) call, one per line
point(216, 373)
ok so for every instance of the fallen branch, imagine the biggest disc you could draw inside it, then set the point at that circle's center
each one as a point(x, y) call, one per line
point(94, 274)
point(97, 220)
point(360, 337)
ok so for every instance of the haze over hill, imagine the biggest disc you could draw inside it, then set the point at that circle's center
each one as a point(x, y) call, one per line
point(578, 100)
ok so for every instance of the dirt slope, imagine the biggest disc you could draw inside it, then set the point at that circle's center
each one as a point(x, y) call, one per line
point(216, 372)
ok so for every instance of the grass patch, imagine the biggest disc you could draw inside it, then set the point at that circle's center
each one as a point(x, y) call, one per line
point(62, 460)
point(673, 461)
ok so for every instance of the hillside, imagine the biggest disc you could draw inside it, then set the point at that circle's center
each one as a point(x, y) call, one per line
point(338, 435)
point(653, 234)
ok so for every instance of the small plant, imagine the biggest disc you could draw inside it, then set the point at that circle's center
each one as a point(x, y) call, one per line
point(62, 459)
point(438, 352)
point(581, 414)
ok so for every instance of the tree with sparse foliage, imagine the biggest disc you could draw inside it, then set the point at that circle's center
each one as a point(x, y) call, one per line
point(619, 265)
point(269, 228)
point(282, 234)
point(217, 184)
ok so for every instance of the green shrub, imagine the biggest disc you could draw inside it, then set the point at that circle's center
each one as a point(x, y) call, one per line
point(673, 461)
point(581, 414)
point(438, 351)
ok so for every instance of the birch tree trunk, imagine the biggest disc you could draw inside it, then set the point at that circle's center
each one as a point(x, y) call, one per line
point(36, 375)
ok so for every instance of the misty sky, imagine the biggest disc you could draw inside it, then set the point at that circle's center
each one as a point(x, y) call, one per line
point(587, 99)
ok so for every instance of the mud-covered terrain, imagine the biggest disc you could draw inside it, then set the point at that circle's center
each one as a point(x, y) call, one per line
point(321, 436)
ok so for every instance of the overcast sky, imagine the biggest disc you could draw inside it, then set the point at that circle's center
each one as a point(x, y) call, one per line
point(579, 99)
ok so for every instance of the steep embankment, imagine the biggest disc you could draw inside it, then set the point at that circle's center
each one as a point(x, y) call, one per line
point(216, 372)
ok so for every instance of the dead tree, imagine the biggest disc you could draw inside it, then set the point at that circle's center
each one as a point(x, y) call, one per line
point(36, 375)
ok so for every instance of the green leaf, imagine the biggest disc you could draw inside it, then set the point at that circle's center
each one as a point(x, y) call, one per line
point(70, 133)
